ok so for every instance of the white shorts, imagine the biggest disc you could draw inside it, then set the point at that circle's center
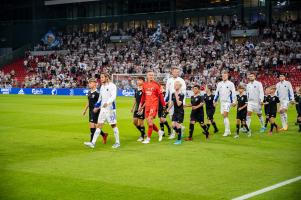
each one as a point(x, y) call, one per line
point(107, 115)
point(225, 107)
point(254, 107)
point(283, 104)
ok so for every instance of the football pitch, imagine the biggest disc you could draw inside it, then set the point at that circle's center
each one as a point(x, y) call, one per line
point(42, 156)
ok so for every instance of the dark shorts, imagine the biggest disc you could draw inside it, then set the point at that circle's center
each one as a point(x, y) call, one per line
point(210, 113)
point(161, 113)
point(137, 115)
point(197, 117)
point(178, 117)
point(93, 117)
point(272, 114)
point(242, 116)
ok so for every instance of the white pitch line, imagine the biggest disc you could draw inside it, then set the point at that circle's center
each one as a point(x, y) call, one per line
point(247, 196)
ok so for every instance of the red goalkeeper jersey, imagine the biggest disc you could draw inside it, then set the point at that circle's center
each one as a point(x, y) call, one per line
point(152, 94)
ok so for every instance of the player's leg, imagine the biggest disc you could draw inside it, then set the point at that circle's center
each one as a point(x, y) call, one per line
point(151, 113)
point(116, 135)
point(211, 118)
point(191, 130)
point(142, 129)
point(92, 130)
point(204, 127)
point(112, 120)
point(95, 136)
point(261, 120)
point(237, 127)
point(283, 115)
point(273, 124)
point(177, 128)
point(266, 120)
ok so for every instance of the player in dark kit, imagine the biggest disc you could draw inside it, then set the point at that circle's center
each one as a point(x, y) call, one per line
point(210, 108)
point(197, 112)
point(266, 100)
point(298, 106)
point(177, 99)
point(138, 117)
point(162, 113)
point(93, 95)
point(242, 103)
point(273, 108)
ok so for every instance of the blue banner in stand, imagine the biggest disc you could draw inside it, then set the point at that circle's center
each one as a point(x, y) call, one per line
point(58, 91)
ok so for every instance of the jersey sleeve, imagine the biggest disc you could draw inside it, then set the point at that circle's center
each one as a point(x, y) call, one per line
point(98, 103)
point(290, 92)
point(261, 92)
point(233, 93)
point(167, 96)
point(217, 91)
point(113, 90)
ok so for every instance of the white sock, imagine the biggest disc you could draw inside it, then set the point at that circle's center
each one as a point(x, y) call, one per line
point(116, 134)
point(261, 121)
point(96, 134)
point(285, 118)
point(283, 121)
point(248, 121)
point(227, 125)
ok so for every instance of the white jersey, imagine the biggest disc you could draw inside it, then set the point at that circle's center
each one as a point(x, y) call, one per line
point(170, 88)
point(107, 94)
point(284, 91)
point(255, 92)
point(225, 91)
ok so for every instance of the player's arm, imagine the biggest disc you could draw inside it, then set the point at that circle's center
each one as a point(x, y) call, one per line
point(244, 106)
point(233, 94)
point(86, 108)
point(200, 105)
point(142, 101)
point(98, 103)
point(291, 93)
point(167, 92)
point(216, 96)
point(184, 91)
point(261, 93)
point(179, 98)
point(170, 105)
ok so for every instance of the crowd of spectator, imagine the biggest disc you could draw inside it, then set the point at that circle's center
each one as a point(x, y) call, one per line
point(202, 52)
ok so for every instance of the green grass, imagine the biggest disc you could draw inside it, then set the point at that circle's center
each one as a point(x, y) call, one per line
point(42, 156)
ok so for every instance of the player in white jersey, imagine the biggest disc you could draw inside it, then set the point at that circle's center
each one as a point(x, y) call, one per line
point(225, 91)
point(255, 96)
point(175, 72)
point(107, 105)
point(285, 93)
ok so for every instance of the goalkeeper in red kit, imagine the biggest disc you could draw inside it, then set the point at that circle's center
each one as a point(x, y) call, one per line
point(152, 94)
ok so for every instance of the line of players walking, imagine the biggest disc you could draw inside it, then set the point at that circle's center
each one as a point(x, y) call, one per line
point(152, 99)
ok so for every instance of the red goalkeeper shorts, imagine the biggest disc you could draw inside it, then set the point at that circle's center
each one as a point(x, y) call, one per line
point(151, 111)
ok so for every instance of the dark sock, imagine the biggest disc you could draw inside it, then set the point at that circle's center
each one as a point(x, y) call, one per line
point(275, 125)
point(162, 126)
point(191, 129)
point(168, 127)
point(92, 130)
point(266, 122)
point(205, 129)
point(179, 131)
point(299, 127)
point(102, 133)
point(208, 126)
point(247, 128)
point(142, 130)
point(237, 129)
point(272, 127)
point(214, 126)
